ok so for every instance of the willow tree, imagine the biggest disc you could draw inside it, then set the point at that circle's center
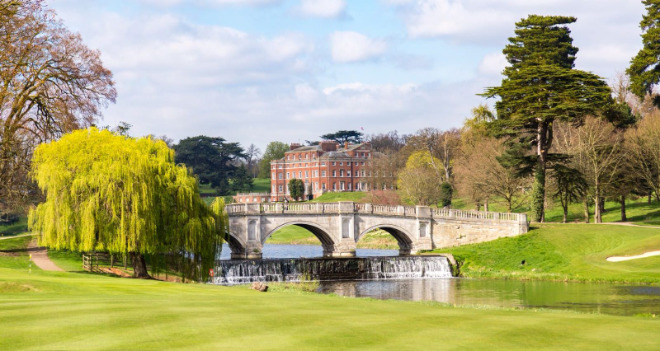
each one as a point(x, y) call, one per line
point(540, 87)
point(106, 192)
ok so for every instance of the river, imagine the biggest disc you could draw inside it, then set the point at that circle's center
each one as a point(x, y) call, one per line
point(607, 298)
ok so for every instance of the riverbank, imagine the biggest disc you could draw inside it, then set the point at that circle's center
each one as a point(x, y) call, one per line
point(575, 252)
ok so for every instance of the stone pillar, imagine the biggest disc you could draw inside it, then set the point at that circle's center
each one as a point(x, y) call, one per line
point(253, 225)
point(345, 234)
point(424, 233)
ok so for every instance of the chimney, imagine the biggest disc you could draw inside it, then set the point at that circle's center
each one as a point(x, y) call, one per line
point(294, 146)
point(328, 145)
point(346, 145)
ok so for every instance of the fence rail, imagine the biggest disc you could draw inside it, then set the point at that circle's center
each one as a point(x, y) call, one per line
point(366, 208)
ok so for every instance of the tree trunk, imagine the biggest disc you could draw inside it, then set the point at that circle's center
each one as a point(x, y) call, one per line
point(139, 266)
point(623, 209)
point(565, 207)
point(597, 215)
point(486, 205)
point(649, 198)
point(586, 210)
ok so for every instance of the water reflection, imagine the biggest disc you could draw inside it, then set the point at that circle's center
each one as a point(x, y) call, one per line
point(583, 297)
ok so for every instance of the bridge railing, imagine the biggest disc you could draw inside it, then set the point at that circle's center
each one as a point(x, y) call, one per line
point(461, 214)
point(385, 210)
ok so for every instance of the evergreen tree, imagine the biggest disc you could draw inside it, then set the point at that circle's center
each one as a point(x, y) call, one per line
point(106, 192)
point(214, 161)
point(541, 86)
point(644, 70)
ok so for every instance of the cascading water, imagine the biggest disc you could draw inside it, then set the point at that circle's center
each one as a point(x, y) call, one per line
point(291, 270)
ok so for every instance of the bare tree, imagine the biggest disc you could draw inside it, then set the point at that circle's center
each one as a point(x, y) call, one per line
point(643, 144)
point(441, 145)
point(252, 154)
point(51, 84)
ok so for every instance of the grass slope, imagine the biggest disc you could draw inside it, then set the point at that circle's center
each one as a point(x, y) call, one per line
point(356, 196)
point(60, 310)
point(566, 252)
point(15, 228)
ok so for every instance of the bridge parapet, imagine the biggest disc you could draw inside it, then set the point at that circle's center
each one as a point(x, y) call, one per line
point(367, 208)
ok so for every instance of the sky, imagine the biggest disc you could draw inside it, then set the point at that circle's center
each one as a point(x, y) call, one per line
point(256, 71)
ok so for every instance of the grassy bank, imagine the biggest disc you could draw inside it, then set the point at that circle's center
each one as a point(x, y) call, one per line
point(565, 252)
point(61, 310)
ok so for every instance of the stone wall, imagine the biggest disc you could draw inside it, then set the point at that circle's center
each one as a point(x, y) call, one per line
point(456, 232)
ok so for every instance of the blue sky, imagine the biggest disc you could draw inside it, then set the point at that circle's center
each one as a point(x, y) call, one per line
point(256, 71)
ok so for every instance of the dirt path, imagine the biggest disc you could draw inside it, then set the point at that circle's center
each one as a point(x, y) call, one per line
point(40, 258)
point(15, 236)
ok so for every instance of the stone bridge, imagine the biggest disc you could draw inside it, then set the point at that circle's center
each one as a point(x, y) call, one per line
point(340, 225)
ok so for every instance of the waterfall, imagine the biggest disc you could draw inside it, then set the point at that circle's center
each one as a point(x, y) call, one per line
point(356, 268)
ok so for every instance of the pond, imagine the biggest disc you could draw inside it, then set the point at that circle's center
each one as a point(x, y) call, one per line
point(604, 298)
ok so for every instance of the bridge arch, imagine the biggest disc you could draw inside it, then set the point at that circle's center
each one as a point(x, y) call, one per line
point(319, 232)
point(237, 247)
point(402, 236)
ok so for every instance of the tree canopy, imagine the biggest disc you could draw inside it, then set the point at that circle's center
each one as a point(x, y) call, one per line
point(342, 136)
point(215, 162)
point(274, 151)
point(644, 70)
point(541, 86)
point(111, 193)
point(52, 84)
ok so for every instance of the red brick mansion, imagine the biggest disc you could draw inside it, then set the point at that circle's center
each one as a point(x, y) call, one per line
point(326, 167)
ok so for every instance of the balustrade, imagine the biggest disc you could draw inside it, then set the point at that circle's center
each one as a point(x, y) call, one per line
point(328, 208)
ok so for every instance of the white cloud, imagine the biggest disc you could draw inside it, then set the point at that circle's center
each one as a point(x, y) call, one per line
point(492, 64)
point(355, 47)
point(323, 8)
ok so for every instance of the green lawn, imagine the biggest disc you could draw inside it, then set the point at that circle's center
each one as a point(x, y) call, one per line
point(377, 239)
point(638, 211)
point(261, 185)
point(62, 310)
point(15, 228)
point(566, 252)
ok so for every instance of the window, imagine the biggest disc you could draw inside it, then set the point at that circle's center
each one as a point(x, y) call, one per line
point(348, 173)
point(273, 188)
point(273, 176)
point(341, 172)
point(279, 175)
point(334, 173)
point(363, 172)
point(334, 186)
point(334, 163)
point(341, 163)
point(300, 174)
point(306, 174)
point(323, 173)
point(280, 188)
point(322, 163)
point(323, 186)
point(287, 175)
point(348, 163)
point(341, 185)
point(349, 186)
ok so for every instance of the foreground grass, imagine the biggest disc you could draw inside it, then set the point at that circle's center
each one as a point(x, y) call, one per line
point(45, 310)
point(566, 252)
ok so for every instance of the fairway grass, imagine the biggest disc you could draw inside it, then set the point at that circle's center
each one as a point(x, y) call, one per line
point(48, 310)
point(63, 310)
point(566, 252)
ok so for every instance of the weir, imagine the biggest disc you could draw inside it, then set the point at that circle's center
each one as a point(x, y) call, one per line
point(230, 272)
